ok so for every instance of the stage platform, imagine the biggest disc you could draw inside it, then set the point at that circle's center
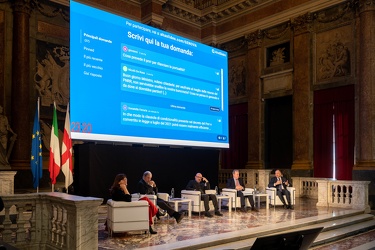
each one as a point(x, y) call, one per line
point(238, 230)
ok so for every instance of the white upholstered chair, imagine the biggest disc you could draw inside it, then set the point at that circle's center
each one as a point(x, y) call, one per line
point(197, 205)
point(125, 216)
point(275, 200)
point(236, 200)
point(163, 196)
point(137, 196)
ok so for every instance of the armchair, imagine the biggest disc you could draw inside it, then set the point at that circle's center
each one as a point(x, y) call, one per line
point(127, 216)
point(274, 199)
point(163, 196)
point(197, 205)
point(236, 201)
point(136, 197)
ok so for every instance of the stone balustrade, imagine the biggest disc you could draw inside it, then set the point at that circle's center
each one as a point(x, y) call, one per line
point(50, 221)
point(328, 192)
point(258, 178)
point(306, 186)
point(345, 194)
point(334, 193)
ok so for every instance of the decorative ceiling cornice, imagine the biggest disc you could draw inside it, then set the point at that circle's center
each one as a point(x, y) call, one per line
point(67, 2)
point(199, 15)
point(274, 20)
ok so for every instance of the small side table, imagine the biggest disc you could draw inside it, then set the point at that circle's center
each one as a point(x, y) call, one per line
point(259, 195)
point(176, 201)
point(220, 198)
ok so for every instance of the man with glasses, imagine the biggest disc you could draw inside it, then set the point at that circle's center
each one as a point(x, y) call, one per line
point(147, 186)
point(281, 184)
point(201, 184)
point(238, 184)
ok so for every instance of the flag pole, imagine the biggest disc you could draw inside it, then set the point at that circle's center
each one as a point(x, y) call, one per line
point(37, 105)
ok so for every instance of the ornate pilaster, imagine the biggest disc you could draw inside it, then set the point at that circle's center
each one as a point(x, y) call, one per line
point(254, 53)
point(366, 86)
point(20, 83)
point(302, 110)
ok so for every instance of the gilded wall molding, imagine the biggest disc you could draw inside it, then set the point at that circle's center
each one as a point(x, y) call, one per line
point(51, 11)
point(23, 6)
point(234, 46)
point(277, 32)
point(254, 39)
point(341, 12)
point(302, 23)
point(366, 5)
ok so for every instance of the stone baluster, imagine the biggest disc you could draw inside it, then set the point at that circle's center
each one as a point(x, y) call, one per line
point(54, 224)
point(324, 193)
point(58, 225)
point(63, 228)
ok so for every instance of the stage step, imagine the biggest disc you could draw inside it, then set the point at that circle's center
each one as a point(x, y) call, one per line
point(367, 246)
point(335, 228)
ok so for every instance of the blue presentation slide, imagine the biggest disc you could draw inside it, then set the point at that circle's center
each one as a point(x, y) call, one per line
point(133, 83)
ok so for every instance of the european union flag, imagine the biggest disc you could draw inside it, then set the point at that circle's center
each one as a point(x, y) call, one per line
point(36, 151)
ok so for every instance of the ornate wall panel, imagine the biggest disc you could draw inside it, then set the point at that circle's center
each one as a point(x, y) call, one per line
point(52, 75)
point(237, 78)
point(334, 55)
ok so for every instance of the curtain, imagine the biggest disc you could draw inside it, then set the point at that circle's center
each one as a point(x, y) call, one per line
point(236, 155)
point(337, 104)
point(344, 134)
point(323, 140)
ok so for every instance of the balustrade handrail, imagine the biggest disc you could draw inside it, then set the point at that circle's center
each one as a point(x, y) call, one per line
point(50, 221)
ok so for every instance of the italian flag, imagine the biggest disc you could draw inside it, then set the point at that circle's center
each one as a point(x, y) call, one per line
point(54, 149)
point(66, 152)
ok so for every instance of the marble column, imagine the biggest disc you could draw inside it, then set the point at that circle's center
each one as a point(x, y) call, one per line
point(255, 108)
point(302, 99)
point(366, 87)
point(365, 140)
point(20, 103)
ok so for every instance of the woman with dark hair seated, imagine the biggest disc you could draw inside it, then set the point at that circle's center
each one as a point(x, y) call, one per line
point(119, 192)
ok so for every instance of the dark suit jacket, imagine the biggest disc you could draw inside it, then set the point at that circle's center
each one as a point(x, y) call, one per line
point(198, 186)
point(144, 188)
point(231, 183)
point(274, 180)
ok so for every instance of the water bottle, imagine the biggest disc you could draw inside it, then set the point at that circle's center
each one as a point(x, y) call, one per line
point(216, 190)
point(172, 193)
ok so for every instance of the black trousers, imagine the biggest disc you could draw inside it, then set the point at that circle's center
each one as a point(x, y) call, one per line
point(281, 194)
point(165, 206)
point(206, 199)
point(242, 197)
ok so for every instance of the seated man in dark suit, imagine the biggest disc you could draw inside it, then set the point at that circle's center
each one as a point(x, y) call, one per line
point(237, 183)
point(147, 186)
point(201, 184)
point(281, 184)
